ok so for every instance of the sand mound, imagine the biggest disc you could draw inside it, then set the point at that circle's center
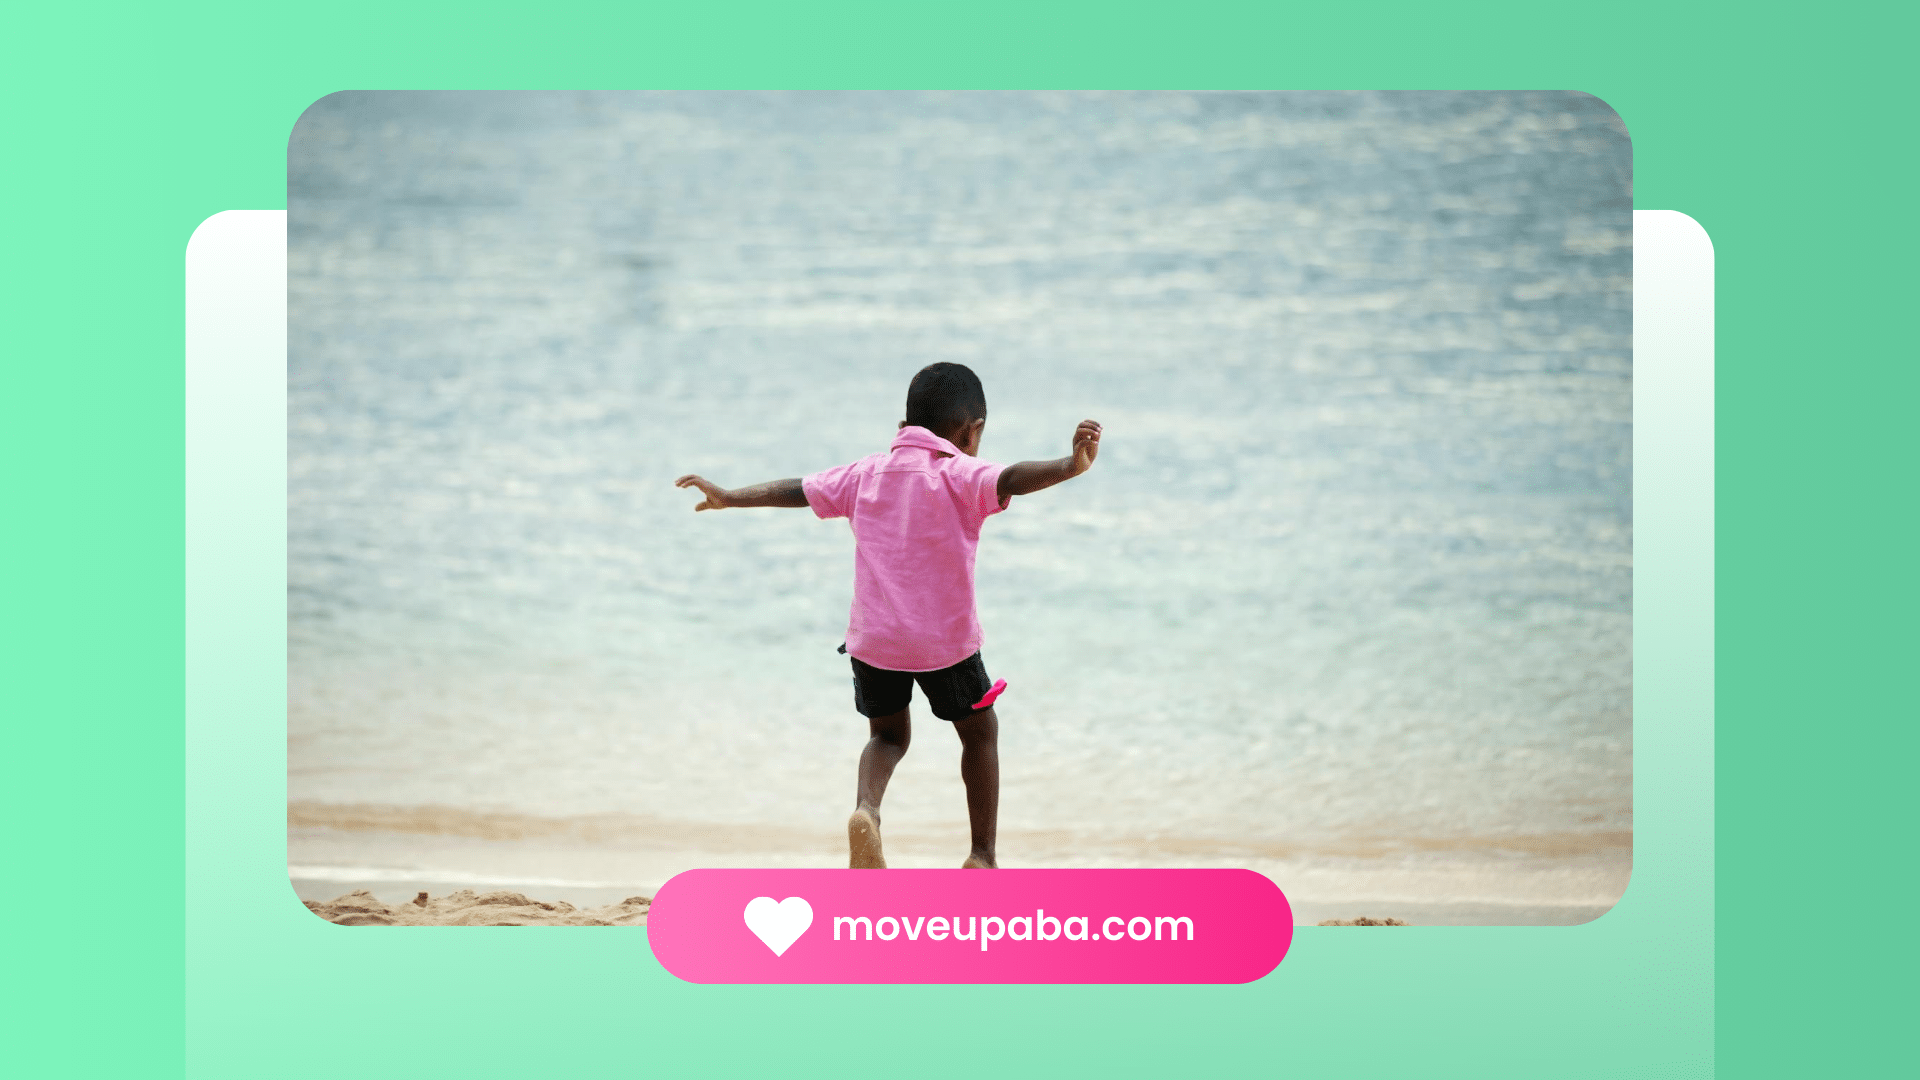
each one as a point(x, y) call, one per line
point(468, 908)
point(1361, 921)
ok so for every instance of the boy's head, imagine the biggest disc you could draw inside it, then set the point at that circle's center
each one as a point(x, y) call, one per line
point(947, 400)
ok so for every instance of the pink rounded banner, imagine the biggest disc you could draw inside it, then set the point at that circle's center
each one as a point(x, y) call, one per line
point(970, 926)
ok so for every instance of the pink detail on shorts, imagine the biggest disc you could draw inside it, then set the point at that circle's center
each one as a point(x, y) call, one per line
point(993, 695)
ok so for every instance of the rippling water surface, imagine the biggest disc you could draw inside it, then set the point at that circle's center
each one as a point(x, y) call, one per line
point(1353, 568)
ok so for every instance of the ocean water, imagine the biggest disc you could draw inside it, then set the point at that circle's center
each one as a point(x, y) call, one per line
point(1351, 578)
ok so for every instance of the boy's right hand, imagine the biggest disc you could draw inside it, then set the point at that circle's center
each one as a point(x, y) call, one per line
point(1086, 446)
point(716, 495)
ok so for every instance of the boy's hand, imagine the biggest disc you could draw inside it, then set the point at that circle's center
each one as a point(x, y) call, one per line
point(716, 495)
point(1086, 446)
point(772, 493)
point(1027, 477)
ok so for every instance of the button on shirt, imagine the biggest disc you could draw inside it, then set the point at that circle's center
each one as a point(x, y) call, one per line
point(916, 513)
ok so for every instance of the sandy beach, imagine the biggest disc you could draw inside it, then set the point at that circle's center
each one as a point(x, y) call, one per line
point(587, 870)
point(468, 908)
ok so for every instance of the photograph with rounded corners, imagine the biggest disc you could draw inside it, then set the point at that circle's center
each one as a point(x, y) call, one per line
point(668, 472)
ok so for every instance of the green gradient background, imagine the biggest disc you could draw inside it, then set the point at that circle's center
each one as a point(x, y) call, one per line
point(130, 126)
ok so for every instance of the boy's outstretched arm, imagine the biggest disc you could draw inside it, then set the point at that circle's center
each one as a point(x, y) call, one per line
point(1027, 477)
point(771, 493)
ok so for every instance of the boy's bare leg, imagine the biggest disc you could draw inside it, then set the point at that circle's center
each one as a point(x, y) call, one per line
point(980, 771)
point(887, 745)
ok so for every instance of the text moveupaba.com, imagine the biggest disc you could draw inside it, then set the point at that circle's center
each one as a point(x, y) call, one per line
point(1038, 927)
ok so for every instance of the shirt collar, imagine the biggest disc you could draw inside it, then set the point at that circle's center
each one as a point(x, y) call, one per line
point(912, 435)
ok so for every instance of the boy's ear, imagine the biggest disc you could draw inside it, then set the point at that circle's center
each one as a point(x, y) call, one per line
point(903, 424)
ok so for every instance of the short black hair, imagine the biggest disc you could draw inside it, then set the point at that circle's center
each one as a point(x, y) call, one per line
point(944, 398)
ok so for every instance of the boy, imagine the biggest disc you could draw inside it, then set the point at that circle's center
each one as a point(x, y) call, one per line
point(916, 512)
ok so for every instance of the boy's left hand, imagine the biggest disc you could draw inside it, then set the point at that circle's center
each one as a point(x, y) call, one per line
point(716, 495)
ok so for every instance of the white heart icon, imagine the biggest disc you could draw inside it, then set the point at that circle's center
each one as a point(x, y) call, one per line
point(778, 925)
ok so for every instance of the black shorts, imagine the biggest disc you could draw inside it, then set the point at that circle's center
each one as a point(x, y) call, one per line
point(951, 690)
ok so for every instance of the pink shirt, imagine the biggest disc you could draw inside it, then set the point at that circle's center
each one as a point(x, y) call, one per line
point(916, 513)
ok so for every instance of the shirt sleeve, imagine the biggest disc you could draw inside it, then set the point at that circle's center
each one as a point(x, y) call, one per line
point(831, 492)
point(983, 488)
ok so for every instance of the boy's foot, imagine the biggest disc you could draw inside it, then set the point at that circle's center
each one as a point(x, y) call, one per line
point(863, 842)
point(975, 862)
